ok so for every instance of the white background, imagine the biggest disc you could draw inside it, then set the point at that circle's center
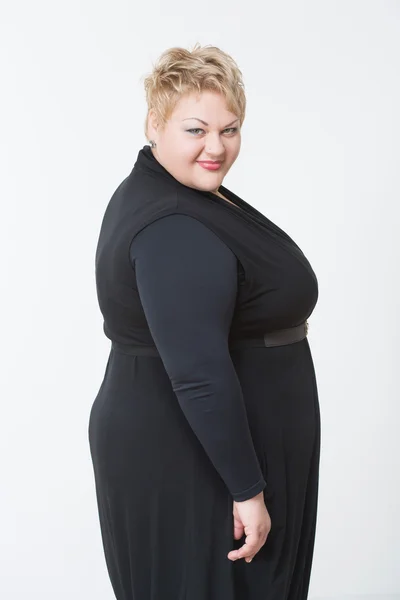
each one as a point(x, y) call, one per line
point(320, 157)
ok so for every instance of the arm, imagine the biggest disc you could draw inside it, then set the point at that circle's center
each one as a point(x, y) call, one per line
point(187, 282)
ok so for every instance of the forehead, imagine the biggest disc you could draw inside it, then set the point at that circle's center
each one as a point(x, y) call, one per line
point(207, 105)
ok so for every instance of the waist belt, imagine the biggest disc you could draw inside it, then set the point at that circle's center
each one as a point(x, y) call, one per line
point(280, 337)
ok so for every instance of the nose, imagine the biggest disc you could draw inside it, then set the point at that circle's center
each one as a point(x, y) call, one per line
point(214, 147)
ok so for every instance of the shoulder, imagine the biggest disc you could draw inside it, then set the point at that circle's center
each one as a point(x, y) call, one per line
point(182, 236)
point(179, 229)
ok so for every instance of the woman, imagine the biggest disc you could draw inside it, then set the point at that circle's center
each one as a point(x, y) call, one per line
point(205, 433)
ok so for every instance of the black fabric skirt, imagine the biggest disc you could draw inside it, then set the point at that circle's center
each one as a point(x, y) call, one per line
point(165, 513)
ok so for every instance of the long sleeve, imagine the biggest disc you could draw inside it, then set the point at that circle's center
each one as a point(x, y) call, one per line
point(187, 282)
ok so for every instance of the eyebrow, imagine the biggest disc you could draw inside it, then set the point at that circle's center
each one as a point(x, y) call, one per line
point(204, 123)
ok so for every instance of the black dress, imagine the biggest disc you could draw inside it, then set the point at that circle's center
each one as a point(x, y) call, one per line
point(185, 422)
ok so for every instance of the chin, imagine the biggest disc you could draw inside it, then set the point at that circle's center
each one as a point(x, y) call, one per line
point(209, 188)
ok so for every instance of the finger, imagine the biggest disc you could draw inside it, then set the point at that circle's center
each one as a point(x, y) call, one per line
point(238, 529)
point(252, 544)
point(244, 551)
point(250, 547)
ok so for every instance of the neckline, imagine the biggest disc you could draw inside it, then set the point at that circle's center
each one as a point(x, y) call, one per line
point(226, 200)
point(243, 205)
point(147, 162)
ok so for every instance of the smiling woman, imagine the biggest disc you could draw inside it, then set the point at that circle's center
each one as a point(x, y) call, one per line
point(205, 431)
point(181, 150)
point(187, 88)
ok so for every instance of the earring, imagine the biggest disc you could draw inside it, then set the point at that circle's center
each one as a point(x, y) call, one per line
point(152, 143)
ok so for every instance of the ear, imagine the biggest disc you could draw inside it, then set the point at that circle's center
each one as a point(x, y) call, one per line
point(152, 122)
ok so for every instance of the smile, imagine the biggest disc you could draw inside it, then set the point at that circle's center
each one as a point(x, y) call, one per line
point(210, 166)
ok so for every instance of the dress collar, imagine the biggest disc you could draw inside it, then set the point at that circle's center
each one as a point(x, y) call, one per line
point(146, 161)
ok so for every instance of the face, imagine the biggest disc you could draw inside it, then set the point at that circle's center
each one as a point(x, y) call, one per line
point(201, 128)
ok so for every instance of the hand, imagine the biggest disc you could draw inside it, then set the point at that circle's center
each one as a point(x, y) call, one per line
point(251, 518)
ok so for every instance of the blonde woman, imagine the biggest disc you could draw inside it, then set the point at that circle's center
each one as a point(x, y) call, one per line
point(205, 432)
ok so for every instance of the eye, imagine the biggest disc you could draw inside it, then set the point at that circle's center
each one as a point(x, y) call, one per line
point(191, 130)
point(232, 129)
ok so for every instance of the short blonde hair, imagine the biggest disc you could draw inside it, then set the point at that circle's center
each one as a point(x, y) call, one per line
point(179, 71)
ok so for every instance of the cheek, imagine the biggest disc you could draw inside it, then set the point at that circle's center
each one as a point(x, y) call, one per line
point(233, 154)
point(193, 155)
point(237, 150)
point(186, 150)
